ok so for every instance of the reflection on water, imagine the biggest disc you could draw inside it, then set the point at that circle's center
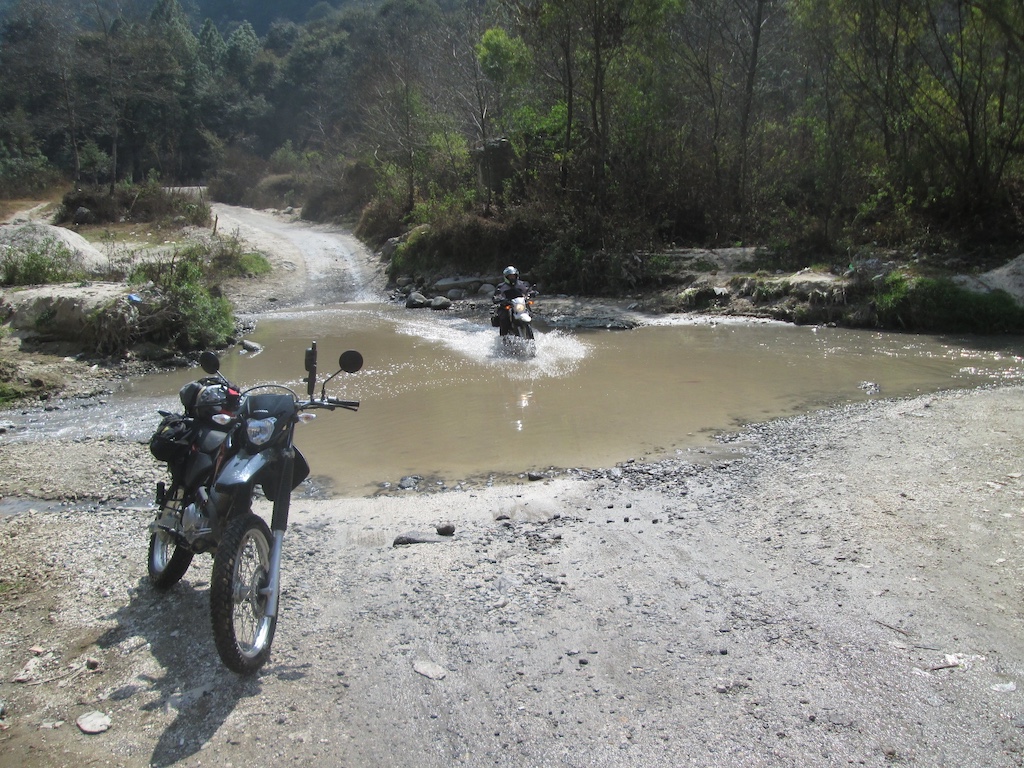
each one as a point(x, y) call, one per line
point(441, 400)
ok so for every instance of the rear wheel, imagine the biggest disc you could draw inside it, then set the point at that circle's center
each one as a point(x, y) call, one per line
point(242, 630)
point(168, 560)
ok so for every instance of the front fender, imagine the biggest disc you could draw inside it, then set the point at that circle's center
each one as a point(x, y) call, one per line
point(242, 471)
point(246, 470)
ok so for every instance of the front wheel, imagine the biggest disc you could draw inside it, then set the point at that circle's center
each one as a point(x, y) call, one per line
point(242, 630)
point(525, 332)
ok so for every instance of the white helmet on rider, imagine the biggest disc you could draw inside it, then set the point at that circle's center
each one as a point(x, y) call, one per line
point(511, 275)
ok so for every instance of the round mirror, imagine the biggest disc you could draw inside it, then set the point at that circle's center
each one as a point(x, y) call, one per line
point(209, 362)
point(350, 361)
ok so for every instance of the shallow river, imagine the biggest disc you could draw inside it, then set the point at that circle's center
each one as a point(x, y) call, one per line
point(440, 401)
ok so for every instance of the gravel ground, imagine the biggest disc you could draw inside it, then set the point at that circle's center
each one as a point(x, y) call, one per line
point(839, 588)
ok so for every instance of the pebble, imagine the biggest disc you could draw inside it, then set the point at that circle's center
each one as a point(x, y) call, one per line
point(430, 669)
point(93, 722)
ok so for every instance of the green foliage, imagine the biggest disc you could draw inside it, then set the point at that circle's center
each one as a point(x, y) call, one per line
point(468, 243)
point(503, 58)
point(206, 320)
point(24, 173)
point(149, 202)
point(184, 308)
point(38, 262)
point(10, 393)
point(839, 124)
point(941, 306)
point(226, 258)
point(239, 174)
point(286, 159)
point(440, 207)
point(95, 163)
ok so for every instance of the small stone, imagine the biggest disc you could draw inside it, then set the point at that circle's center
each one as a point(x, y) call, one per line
point(93, 722)
point(430, 669)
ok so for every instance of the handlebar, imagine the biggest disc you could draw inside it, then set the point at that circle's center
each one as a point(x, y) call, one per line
point(330, 403)
point(352, 405)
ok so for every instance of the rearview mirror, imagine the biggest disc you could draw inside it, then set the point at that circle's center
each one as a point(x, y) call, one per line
point(350, 361)
point(311, 369)
point(209, 362)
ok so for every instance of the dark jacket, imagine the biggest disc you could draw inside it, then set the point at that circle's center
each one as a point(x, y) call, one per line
point(508, 291)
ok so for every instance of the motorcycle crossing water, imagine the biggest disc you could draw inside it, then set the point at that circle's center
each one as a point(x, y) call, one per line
point(224, 446)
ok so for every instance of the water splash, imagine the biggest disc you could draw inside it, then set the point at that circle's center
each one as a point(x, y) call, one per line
point(557, 354)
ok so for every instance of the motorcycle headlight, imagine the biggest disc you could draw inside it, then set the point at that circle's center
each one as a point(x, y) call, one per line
point(260, 430)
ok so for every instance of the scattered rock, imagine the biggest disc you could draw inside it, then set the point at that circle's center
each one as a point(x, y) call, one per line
point(416, 300)
point(409, 482)
point(93, 722)
point(430, 669)
point(417, 537)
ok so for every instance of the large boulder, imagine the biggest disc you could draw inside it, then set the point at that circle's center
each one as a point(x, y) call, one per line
point(468, 284)
point(33, 236)
point(56, 312)
point(416, 300)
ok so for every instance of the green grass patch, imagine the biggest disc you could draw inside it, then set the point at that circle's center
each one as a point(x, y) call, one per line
point(10, 393)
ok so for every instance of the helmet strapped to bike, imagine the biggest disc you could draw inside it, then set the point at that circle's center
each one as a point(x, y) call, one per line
point(511, 275)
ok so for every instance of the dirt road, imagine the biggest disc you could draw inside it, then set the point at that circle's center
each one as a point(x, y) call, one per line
point(313, 264)
point(838, 588)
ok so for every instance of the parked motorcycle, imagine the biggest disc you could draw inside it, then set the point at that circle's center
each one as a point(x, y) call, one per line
point(227, 443)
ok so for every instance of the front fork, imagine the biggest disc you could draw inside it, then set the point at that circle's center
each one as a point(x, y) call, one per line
point(278, 526)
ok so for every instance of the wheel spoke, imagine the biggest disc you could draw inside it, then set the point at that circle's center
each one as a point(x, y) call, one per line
point(242, 629)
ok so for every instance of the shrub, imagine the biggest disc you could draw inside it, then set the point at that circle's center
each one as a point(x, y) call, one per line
point(378, 221)
point(940, 305)
point(38, 262)
point(343, 190)
point(131, 202)
point(239, 174)
point(227, 259)
point(24, 174)
point(183, 308)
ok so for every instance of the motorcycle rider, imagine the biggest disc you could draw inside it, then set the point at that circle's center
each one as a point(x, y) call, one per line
point(509, 288)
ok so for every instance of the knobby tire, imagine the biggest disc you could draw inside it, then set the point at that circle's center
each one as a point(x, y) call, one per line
point(242, 631)
point(167, 559)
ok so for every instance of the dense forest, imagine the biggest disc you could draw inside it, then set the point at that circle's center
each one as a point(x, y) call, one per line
point(577, 136)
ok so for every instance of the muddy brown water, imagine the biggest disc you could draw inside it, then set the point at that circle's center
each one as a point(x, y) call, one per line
point(441, 400)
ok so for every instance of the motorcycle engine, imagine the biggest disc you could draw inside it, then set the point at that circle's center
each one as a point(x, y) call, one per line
point(194, 522)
